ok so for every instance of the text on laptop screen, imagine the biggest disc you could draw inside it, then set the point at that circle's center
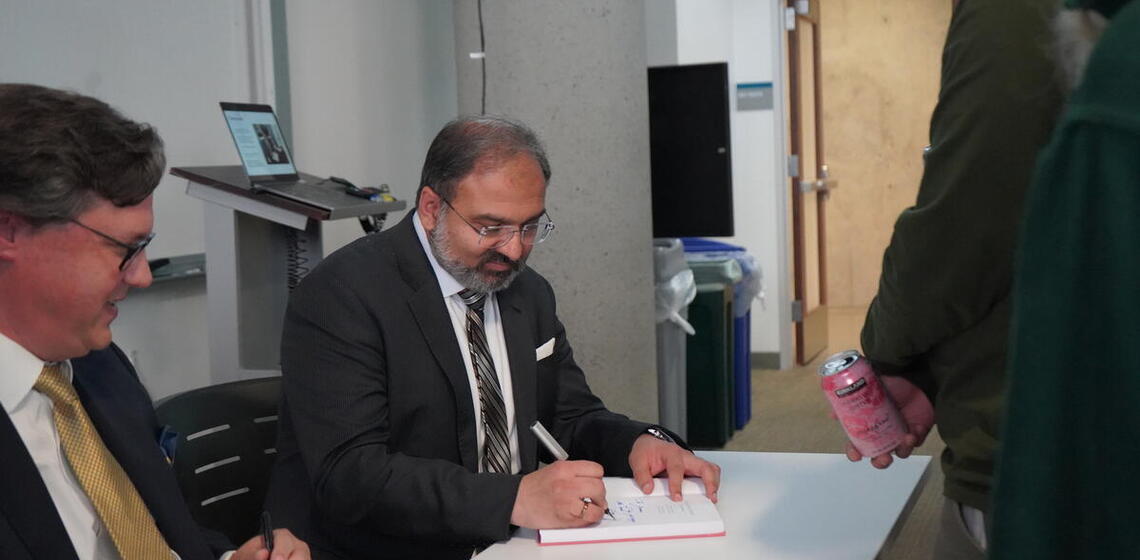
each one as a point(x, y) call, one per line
point(260, 143)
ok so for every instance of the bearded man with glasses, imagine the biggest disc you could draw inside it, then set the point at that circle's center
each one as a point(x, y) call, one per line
point(415, 361)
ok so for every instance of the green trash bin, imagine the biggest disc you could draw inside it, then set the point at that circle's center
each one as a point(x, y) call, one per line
point(709, 354)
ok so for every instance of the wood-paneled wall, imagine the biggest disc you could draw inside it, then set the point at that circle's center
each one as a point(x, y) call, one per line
point(881, 63)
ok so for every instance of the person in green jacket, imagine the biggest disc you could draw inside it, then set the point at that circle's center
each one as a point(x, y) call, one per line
point(937, 328)
point(1067, 484)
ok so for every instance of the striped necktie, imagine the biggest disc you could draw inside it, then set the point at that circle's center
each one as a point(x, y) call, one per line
point(115, 498)
point(496, 447)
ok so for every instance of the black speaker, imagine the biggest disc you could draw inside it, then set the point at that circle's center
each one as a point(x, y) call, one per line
point(690, 150)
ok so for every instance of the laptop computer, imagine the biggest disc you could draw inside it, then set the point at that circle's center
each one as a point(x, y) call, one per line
point(267, 160)
point(259, 142)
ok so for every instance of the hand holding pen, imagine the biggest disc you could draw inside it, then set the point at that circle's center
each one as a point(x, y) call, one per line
point(560, 454)
point(272, 544)
point(551, 497)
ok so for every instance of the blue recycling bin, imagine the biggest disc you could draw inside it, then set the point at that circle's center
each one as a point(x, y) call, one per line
point(744, 290)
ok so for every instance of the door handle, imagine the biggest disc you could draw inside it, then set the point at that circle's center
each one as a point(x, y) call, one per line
point(822, 185)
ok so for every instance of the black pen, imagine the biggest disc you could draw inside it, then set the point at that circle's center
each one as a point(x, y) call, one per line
point(267, 530)
point(559, 454)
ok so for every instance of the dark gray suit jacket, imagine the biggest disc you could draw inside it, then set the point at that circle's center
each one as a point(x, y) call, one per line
point(121, 410)
point(377, 425)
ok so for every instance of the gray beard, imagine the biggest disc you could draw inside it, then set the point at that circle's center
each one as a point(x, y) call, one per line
point(470, 277)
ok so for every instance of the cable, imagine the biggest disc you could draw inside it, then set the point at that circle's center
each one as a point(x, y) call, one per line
point(482, 61)
point(295, 259)
point(373, 223)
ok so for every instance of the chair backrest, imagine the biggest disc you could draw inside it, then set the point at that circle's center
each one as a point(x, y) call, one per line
point(226, 439)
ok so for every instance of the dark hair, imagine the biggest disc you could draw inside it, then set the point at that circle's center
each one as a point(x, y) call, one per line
point(469, 141)
point(59, 150)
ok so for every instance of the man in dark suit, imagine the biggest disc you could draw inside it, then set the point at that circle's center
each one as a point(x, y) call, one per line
point(82, 475)
point(416, 360)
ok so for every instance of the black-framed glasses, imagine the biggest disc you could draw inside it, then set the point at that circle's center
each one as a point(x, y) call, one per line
point(133, 249)
point(494, 237)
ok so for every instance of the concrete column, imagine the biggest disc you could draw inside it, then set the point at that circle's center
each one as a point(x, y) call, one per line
point(576, 72)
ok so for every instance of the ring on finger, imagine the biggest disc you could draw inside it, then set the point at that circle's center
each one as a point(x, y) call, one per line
point(585, 505)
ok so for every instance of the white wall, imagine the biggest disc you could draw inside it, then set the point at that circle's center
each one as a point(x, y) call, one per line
point(747, 34)
point(159, 61)
point(163, 331)
point(371, 82)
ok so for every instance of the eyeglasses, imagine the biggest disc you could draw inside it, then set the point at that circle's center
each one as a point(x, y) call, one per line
point(133, 249)
point(494, 237)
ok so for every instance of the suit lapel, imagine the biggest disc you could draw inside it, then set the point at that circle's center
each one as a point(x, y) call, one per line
point(24, 500)
point(435, 325)
point(114, 400)
point(434, 322)
point(520, 352)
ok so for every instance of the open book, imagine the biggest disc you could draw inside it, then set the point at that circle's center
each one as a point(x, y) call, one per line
point(639, 516)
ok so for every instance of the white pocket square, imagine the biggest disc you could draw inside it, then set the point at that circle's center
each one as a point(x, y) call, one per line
point(545, 350)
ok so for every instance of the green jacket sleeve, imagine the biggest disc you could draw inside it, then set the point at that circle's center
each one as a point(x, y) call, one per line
point(950, 258)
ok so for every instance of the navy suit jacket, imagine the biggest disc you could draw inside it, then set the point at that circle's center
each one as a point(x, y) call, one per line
point(122, 412)
point(377, 449)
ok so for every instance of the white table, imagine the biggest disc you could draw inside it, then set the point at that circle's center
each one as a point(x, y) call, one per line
point(776, 506)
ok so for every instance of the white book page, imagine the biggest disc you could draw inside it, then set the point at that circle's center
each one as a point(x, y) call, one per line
point(652, 510)
point(617, 487)
point(636, 515)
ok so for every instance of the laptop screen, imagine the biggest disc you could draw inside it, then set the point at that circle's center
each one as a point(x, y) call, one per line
point(259, 141)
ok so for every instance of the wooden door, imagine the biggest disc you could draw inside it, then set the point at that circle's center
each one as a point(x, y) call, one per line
point(809, 182)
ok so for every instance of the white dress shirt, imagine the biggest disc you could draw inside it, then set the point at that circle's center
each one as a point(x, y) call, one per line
point(31, 414)
point(449, 290)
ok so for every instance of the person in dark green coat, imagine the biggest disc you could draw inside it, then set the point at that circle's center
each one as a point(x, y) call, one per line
point(1068, 483)
point(937, 328)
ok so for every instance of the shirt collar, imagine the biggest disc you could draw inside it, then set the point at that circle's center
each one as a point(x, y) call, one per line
point(19, 370)
point(448, 285)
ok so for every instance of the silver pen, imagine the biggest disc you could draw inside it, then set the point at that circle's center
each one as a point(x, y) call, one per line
point(548, 441)
point(559, 454)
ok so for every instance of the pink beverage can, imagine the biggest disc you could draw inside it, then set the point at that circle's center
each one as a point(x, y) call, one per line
point(866, 411)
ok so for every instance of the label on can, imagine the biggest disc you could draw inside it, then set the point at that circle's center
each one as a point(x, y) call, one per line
point(844, 391)
point(865, 410)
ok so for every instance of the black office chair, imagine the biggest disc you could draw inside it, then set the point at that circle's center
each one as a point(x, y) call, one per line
point(225, 451)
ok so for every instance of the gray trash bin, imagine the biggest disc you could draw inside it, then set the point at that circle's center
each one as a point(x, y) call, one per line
point(674, 291)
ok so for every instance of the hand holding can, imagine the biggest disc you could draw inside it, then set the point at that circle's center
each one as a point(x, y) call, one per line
point(864, 408)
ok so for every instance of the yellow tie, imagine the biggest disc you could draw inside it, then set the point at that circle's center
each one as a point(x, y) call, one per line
point(114, 496)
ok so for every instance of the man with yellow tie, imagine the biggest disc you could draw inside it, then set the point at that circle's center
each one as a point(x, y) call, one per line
point(81, 473)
